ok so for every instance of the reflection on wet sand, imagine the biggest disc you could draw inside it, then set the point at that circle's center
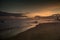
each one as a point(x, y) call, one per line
point(15, 26)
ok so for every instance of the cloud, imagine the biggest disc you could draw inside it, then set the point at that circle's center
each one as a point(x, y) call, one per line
point(11, 14)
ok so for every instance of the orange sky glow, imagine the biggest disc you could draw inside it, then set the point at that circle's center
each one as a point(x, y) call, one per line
point(46, 11)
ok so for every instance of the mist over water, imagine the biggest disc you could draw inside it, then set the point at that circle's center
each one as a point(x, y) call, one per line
point(15, 26)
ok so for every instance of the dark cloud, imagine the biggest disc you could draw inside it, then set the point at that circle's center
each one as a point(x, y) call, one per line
point(24, 5)
point(9, 14)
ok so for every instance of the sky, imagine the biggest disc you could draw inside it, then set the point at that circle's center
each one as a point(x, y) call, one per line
point(31, 8)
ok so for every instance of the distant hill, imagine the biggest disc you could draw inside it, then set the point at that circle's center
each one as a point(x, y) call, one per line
point(54, 16)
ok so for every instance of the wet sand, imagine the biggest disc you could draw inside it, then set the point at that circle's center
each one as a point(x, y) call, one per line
point(45, 31)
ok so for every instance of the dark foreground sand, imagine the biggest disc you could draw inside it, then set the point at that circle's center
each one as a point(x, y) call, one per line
point(46, 31)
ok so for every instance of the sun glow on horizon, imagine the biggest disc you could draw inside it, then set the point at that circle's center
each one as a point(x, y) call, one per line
point(42, 13)
point(46, 11)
